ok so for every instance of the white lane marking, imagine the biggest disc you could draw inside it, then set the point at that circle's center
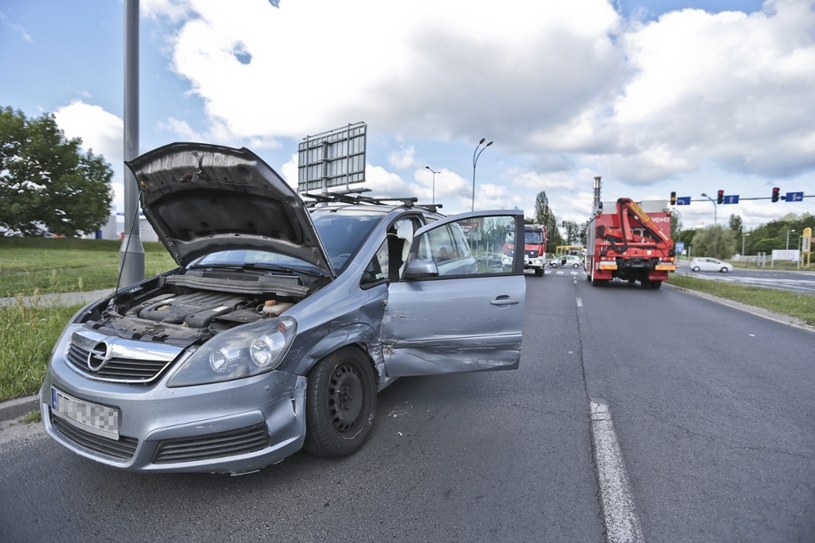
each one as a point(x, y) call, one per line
point(622, 522)
point(579, 302)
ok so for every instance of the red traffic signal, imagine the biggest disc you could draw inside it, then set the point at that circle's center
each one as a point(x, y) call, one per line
point(776, 190)
point(720, 197)
point(673, 198)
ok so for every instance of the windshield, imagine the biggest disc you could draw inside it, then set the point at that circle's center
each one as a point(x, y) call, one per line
point(533, 237)
point(342, 233)
point(255, 258)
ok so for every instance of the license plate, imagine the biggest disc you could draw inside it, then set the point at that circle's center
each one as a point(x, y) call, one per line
point(91, 417)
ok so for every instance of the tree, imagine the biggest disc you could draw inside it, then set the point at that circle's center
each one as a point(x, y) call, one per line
point(714, 241)
point(46, 183)
point(735, 224)
point(545, 216)
point(572, 232)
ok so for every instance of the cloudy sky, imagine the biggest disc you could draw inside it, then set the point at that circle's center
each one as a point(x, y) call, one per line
point(654, 96)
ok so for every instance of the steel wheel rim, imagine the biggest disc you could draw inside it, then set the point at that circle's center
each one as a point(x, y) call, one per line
point(345, 398)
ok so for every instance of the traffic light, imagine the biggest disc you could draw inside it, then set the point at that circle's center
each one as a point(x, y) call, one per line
point(673, 198)
point(776, 190)
point(720, 197)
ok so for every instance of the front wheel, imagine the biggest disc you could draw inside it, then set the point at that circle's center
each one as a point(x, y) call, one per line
point(695, 268)
point(340, 403)
point(723, 270)
point(538, 272)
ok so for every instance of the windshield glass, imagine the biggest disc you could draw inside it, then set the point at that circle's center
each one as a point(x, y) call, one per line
point(532, 237)
point(342, 233)
point(255, 258)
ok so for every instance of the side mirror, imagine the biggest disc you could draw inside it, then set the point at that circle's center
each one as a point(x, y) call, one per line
point(417, 268)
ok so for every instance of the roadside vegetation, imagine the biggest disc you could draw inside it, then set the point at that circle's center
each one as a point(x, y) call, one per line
point(46, 265)
point(27, 335)
point(800, 306)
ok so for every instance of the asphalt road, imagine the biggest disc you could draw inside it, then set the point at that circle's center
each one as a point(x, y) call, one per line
point(712, 410)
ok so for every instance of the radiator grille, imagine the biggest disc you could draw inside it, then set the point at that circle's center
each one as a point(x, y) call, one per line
point(119, 370)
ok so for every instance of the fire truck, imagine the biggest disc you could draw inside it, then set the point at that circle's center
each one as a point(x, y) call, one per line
point(630, 241)
point(534, 249)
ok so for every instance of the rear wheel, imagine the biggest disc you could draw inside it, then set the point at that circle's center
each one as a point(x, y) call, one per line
point(340, 403)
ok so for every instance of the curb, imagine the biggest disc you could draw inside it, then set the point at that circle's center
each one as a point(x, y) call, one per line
point(13, 409)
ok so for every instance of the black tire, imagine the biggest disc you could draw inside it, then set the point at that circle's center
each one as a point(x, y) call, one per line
point(695, 268)
point(340, 403)
point(538, 272)
point(723, 270)
point(575, 266)
point(656, 285)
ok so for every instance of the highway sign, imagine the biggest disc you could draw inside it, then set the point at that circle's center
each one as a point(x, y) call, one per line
point(683, 201)
point(730, 199)
point(794, 197)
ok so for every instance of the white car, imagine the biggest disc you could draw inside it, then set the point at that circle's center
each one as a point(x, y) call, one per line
point(572, 261)
point(710, 264)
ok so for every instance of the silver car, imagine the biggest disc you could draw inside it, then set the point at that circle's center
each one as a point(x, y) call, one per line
point(710, 264)
point(281, 323)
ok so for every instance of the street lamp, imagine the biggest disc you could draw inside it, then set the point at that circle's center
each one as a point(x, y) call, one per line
point(788, 237)
point(434, 182)
point(743, 235)
point(476, 154)
point(715, 223)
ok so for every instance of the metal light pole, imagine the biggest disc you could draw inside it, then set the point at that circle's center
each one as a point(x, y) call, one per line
point(715, 223)
point(131, 253)
point(788, 238)
point(743, 235)
point(476, 154)
point(434, 182)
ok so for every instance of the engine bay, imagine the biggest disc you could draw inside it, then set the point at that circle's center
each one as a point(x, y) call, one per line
point(170, 310)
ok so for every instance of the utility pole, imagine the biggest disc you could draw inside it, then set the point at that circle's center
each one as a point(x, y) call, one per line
point(131, 253)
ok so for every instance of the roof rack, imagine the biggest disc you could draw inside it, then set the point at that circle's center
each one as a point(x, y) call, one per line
point(351, 198)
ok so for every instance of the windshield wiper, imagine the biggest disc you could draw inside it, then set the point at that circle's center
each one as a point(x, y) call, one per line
point(259, 266)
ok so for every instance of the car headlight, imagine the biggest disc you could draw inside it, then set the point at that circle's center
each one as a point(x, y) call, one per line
point(241, 352)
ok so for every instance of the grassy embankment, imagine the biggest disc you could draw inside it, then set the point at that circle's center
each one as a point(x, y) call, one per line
point(800, 306)
point(34, 266)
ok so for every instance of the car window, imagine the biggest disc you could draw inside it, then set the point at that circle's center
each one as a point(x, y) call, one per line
point(468, 246)
point(400, 237)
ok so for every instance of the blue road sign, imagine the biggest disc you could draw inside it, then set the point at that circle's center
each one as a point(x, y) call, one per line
point(794, 197)
point(683, 201)
point(730, 199)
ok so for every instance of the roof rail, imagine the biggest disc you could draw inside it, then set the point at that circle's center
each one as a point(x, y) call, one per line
point(351, 198)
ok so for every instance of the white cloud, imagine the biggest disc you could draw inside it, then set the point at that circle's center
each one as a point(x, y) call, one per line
point(100, 130)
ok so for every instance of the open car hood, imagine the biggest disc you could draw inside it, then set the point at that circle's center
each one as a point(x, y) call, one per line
point(203, 198)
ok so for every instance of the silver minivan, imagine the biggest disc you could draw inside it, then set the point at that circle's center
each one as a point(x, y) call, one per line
point(281, 323)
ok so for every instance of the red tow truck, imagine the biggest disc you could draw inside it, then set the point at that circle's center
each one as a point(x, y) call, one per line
point(631, 242)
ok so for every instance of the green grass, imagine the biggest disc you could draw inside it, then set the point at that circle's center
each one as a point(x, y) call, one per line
point(27, 336)
point(31, 265)
point(800, 306)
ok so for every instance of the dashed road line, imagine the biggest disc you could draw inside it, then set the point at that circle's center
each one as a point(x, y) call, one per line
point(622, 522)
point(579, 302)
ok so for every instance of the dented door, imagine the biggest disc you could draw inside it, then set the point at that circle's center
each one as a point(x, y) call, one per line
point(462, 310)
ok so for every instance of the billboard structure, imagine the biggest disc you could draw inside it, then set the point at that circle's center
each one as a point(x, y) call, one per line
point(333, 160)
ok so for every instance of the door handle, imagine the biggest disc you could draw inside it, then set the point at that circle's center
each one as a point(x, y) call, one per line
point(504, 300)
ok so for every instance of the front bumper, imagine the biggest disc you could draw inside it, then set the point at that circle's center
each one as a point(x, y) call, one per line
point(234, 427)
point(536, 262)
